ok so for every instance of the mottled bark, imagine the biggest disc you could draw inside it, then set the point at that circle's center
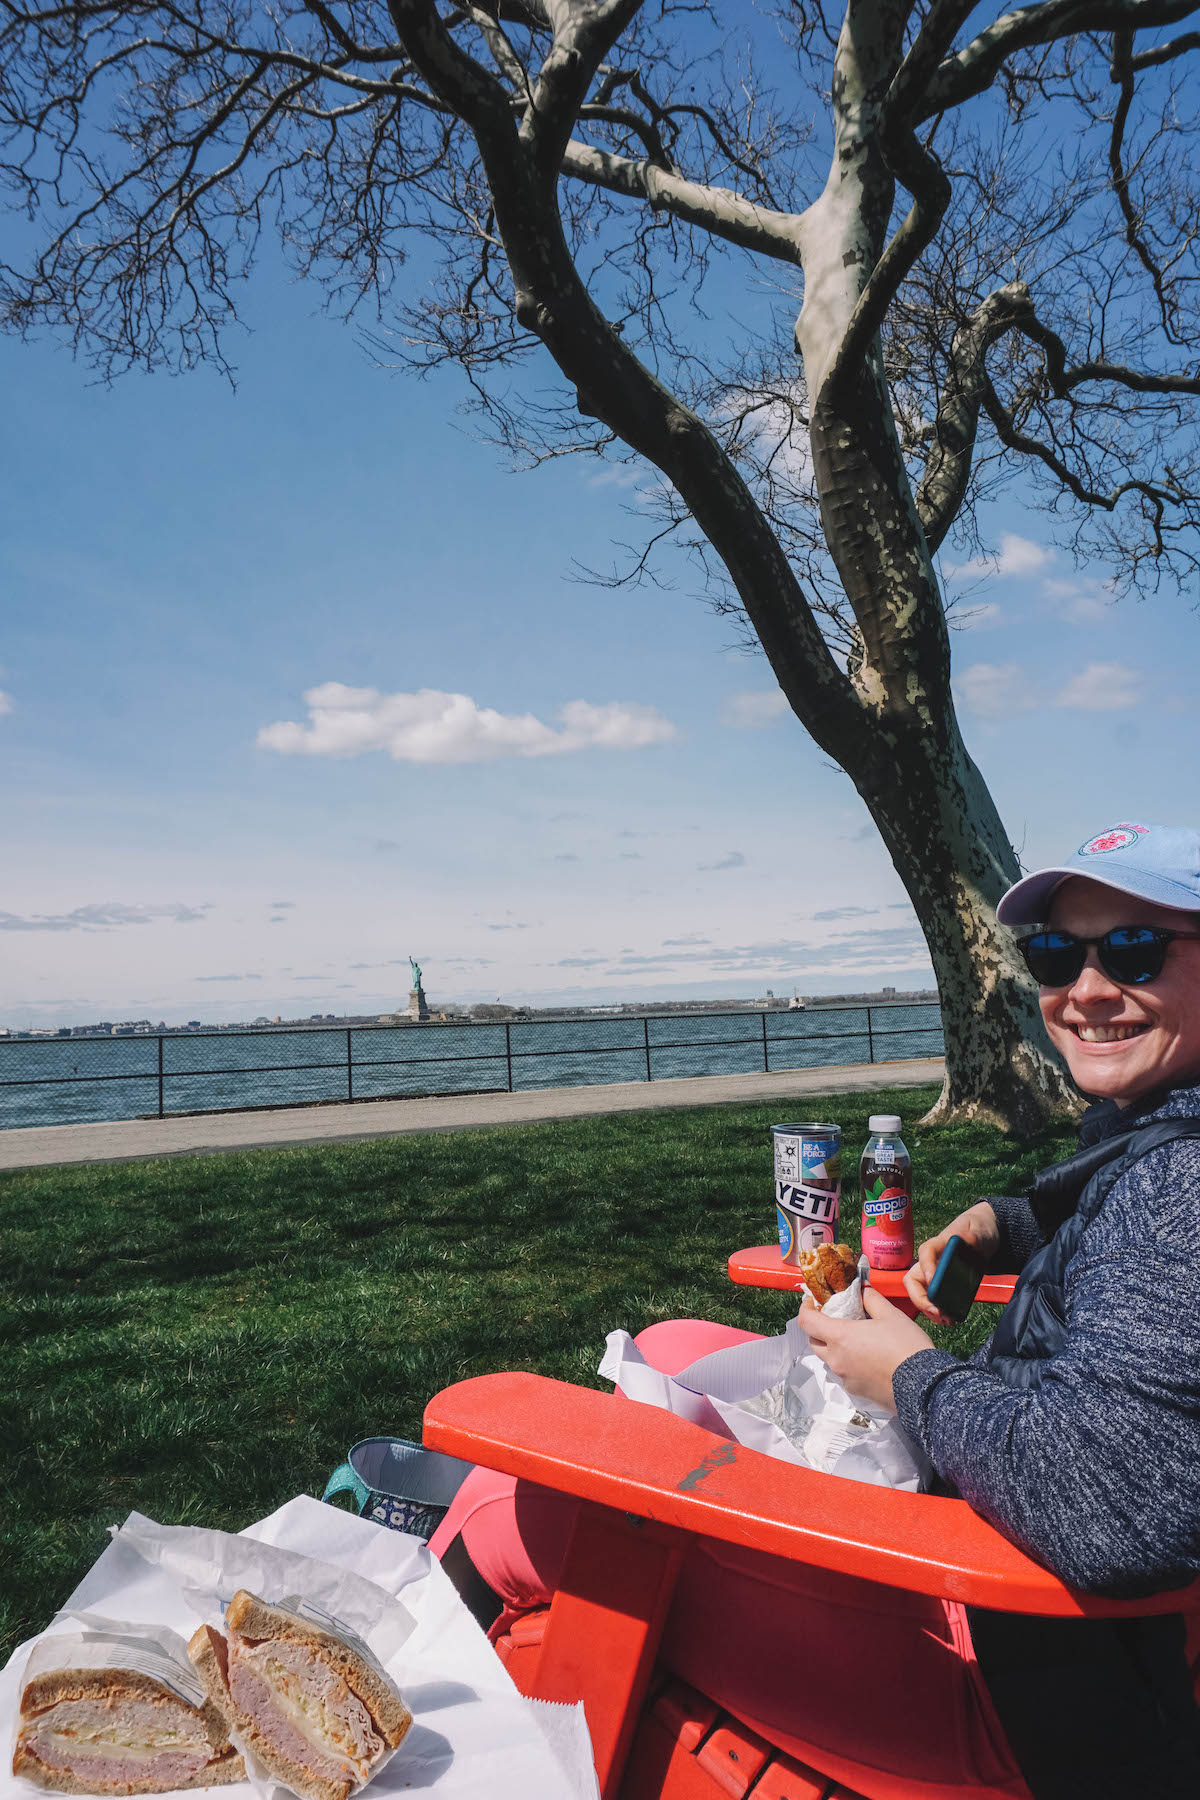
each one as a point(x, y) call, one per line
point(943, 484)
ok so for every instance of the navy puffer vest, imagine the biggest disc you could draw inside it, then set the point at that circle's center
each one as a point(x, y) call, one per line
point(1065, 1199)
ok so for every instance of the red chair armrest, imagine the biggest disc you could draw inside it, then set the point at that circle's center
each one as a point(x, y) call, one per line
point(637, 1459)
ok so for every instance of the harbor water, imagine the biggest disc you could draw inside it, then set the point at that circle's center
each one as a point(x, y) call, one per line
point(59, 1081)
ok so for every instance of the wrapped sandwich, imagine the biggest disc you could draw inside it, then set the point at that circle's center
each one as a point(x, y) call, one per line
point(115, 1712)
point(316, 1711)
point(827, 1270)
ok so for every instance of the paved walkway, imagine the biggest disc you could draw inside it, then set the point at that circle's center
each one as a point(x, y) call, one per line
point(124, 1140)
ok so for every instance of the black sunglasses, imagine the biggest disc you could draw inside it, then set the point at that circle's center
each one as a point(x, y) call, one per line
point(1130, 954)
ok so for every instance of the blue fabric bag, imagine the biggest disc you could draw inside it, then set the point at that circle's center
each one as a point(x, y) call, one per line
point(399, 1484)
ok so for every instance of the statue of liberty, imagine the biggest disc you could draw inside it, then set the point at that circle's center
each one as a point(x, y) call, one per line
point(415, 966)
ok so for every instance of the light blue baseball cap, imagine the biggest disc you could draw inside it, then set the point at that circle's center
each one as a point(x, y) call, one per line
point(1153, 862)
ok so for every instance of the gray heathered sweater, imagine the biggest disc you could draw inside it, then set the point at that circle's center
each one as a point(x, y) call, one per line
point(1096, 1473)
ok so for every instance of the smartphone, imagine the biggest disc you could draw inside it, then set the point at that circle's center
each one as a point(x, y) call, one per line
point(955, 1280)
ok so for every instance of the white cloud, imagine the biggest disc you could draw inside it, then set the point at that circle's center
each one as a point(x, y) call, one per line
point(1020, 555)
point(994, 690)
point(102, 916)
point(620, 474)
point(733, 859)
point(1084, 601)
point(752, 709)
point(1016, 556)
point(6, 703)
point(433, 727)
point(1103, 687)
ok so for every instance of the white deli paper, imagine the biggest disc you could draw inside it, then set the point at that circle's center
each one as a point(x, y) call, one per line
point(777, 1396)
point(107, 1644)
point(473, 1737)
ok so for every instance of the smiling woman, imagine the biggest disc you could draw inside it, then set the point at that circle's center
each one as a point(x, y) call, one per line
point(1075, 1429)
point(1123, 1005)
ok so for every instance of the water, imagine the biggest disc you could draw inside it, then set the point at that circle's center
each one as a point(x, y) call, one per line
point(62, 1081)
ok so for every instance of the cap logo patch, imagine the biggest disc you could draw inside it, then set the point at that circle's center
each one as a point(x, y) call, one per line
point(1117, 837)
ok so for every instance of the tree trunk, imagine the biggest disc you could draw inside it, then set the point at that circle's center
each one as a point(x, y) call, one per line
point(890, 720)
point(910, 765)
point(951, 851)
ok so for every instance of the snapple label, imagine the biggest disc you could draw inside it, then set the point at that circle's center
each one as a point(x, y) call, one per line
point(885, 1180)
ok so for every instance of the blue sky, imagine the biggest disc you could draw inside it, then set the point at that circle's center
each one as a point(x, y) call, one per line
point(182, 564)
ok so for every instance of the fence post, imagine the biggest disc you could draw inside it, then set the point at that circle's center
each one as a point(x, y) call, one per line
point(646, 1040)
point(349, 1067)
point(766, 1062)
point(160, 1075)
point(870, 1038)
point(508, 1054)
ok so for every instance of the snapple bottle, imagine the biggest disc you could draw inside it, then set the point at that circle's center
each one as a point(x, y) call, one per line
point(885, 1178)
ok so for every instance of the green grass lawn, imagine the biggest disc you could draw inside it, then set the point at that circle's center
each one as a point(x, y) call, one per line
point(201, 1338)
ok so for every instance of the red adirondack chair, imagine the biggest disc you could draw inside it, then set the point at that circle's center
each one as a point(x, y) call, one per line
point(647, 1481)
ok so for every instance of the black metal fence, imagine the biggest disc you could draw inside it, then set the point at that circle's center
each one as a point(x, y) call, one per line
point(69, 1080)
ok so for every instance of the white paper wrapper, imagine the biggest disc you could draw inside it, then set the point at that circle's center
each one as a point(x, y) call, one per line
point(473, 1737)
point(108, 1644)
point(777, 1396)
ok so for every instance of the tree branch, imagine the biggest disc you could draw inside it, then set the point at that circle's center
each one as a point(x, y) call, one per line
point(584, 32)
point(1063, 379)
point(947, 470)
point(611, 383)
point(458, 79)
point(628, 120)
point(714, 209)
point(973, 69)
point(1014, 438)
point(354, 50)
point(926, 180)
point(1121, 71)
point(1164, 53)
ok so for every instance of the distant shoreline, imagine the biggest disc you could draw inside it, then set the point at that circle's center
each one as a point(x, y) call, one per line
point(483, 1013)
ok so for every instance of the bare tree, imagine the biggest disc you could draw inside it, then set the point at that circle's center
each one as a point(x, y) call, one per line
point(959, 252)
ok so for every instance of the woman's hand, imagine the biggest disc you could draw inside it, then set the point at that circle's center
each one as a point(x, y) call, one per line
point(864, 1354)
point(979, 1230)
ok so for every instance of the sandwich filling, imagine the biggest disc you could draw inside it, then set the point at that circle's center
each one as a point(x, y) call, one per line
point(303, 1707)
point(118, 1741)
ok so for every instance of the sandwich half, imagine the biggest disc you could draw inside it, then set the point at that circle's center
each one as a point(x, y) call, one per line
point(119, 1731)
point(314, 1711)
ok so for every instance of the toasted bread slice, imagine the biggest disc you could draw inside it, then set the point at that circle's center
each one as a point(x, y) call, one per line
point(264, 1730)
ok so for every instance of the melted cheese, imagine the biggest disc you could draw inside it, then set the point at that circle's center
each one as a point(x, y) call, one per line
point(90, 1727)
point(79, 1747)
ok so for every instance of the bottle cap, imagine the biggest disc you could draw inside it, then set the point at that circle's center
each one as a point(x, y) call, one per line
point(884, 1124)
